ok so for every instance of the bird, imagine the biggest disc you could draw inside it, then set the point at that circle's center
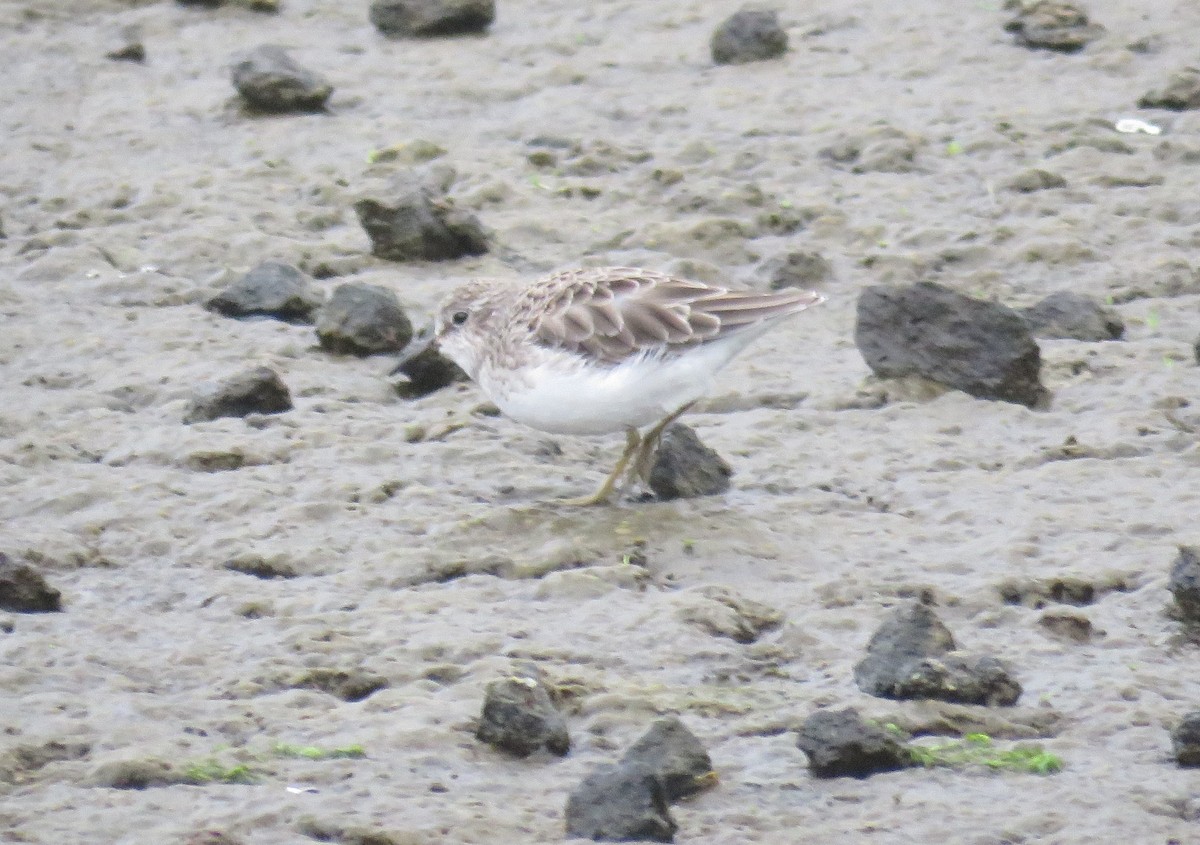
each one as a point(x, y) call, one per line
point(599, 350)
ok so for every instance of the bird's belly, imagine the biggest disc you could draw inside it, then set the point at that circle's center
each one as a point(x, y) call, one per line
point(601, 400)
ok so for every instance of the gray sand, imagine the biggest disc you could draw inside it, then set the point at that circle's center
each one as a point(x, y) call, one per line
point(132, 193)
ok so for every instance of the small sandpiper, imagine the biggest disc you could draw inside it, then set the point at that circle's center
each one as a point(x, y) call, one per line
point(600, 350)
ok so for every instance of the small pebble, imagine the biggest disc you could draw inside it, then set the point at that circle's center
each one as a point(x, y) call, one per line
point(619, 804)
point(256, 391)
point(842, 744)
point(429, 18)
point(1185, 739)
point(24, 590)
point(415, 226)
point(272, 289)
point(1184, 583)
point(748, 35)
point(362, 319)
point(685, 468)
point(270, 80)
point(676, 756)
point(519, 717)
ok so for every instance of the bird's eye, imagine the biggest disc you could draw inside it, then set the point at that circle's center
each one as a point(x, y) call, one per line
point(459, 317)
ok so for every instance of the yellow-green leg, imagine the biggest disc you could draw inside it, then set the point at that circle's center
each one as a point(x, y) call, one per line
point(645, 456)
point(632, 441)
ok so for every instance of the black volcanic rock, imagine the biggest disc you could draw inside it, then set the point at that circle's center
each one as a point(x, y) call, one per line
point(913, 656)
point(620, 804)
point(841, 744)
point(685, 468)
point(362, 319)
point(429, 18)
point(256, 391)
point(520, 717)
point(748, 35)
point(270, 80)
point(272, 289)
point(982, 348)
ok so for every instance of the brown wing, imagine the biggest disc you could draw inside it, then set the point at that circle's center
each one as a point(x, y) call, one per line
point(617, 312)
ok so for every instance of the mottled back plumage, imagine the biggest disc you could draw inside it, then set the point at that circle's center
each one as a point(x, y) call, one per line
point(611, 314)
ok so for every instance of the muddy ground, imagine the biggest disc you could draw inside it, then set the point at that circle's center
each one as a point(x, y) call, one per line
point(426, 558)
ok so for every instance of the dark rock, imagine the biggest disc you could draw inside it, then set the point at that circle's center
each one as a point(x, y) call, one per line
point(1195, 345)
point(620, 804)
point(913, 655)
point(210, 4)
point(1050, 25)
point(425, 18)
point(1185, 583)
point(911, 633)
point(271, 289)
point(797, 270)
point(363, 320)
point(841, 744)
point(416, 227)
point(927, 330)
point(1073, 316)
point(675, 754)
point(127, 46)
point(257, 391)
point(269, 80)
point(959, 678)
point(1182, 92)
point(748, 35)
point(348, 685)
point(426, 372)
point(24, 590)
point(1035, 179)
point(1186, 740)
point(685, 468)
point(520, 717)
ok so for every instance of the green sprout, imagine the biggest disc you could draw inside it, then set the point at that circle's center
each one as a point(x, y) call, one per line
point(313, 752)
point(211, 770)
point(977, 749)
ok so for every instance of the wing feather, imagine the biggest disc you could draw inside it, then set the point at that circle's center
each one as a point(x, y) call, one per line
point(616, 313)
point(578, 324)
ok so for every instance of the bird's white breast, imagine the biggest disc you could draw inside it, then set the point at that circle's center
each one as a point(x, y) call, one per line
point(558, 392)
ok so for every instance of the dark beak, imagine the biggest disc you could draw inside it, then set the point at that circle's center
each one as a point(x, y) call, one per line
point(421, 341)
